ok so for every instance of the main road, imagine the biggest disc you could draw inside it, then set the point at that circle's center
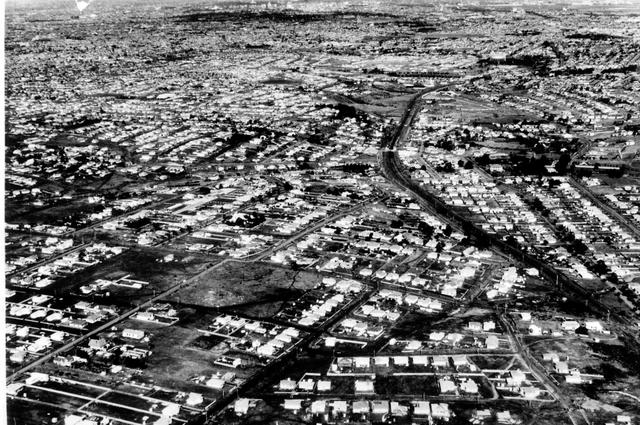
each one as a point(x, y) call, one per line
point(393, 171)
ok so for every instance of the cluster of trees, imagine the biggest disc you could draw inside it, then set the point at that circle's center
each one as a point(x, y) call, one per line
point(137, 223)
point(575, 246)
point(358, 168)
point(537, 205)
point(448, 167)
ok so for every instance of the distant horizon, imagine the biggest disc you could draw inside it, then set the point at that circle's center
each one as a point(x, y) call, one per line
point(499, 3)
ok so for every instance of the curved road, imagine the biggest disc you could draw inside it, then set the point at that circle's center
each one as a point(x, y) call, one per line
point(393, 171)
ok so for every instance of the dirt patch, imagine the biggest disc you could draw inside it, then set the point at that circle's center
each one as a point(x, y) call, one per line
point(247, 287)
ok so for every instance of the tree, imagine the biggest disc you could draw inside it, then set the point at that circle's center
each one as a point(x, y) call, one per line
point(512, 241)
point(563, 163)
point(396, 224)
point(539, 148)
point(600, 268)
point(484, 159)
point(426, 230)
point(579, 247)
point(582, 330)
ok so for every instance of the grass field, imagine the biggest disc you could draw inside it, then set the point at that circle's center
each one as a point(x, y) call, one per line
point(256, 289)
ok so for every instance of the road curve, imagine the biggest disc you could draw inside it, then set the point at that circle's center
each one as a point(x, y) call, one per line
point(393, 171)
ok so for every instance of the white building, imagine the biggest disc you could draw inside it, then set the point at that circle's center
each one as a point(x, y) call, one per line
point(133, 334)
point(363, 386)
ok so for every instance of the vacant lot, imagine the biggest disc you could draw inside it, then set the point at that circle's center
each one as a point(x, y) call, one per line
point(259, 290)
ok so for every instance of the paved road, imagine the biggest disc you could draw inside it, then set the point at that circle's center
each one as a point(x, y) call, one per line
point(588, 193)
point(393, 170)
point(45, 260)
point(539, 373)
point(263, 376)
point(114, 321)
point(75, 233)
point(175, 288)
point(268, 251)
